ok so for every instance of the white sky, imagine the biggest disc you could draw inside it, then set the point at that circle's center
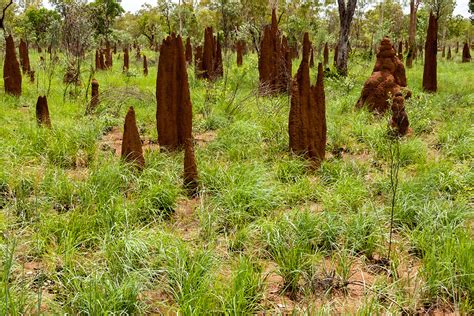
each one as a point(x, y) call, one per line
point(134, 5)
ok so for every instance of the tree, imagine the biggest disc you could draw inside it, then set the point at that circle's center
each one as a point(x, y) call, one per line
point(40, 23)
point(105, 12)
point(412, 32)
point(346, 12)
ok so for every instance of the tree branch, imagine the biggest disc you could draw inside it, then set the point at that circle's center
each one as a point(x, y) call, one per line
point(2, 26)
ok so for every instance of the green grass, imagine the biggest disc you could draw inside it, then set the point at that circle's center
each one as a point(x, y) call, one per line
point(267, 233)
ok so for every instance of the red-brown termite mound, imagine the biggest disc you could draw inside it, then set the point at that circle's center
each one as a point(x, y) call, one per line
point(430, 82)
point(42, 112)
point(400, 51)
point(94, 95)
point(24, 57)
point(189, 51)
point(145, 66)
point(126, 59)
point(326, 55)
point(132, 151)
point(274, 62)
point(11, 69)
point(108, 56)
point(174, 108)
point(466, 54)
point(307, 118)
point(190, 169)
point(384, 89)
point(240, 50)
point(210, 66)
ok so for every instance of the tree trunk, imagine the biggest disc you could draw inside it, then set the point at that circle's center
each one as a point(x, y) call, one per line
point(412, 33)
point(345, 19)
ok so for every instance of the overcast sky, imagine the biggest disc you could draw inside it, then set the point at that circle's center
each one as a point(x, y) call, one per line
point(134, 5)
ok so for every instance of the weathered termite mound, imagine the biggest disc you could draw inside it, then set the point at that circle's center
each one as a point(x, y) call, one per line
point(24, 56)
point(174, 108)
point(189, 51)
point(307, 118)
point(11, 69)
point(94, 95)
point(274, 62)
point(399, 121)
point(210, 63)
point(145, 66)
point(190, 169)
point(326, 55)
point(430, 82)
point(31, 73)
point(102, 60)
point(72, 76)
point(240, 50)
point(108, 56)
point(42, 112)
point(132, 151)
point(126, 59)
point(384, 89)
point(466, 54)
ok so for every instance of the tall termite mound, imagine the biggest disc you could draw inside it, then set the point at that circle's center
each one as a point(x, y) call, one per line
point(210, 65)
point(42, 112)
point(274, 62)
point(108, 56)
point(190, 169)
point(126, 59)
point(326, 55)
point(174, 108)
point(145, 66)
point(466, 54)
point(132, 151)
point(24, 57)
point(240, 50)
point(430, 83)
point(384, 89)
point(400, 51)
point(307, 118)
point(94, 95)
point(11, 69)
point(189, 51)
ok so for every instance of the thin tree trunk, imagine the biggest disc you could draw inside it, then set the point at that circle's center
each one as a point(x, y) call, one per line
point(346, 14)
point(412, 33)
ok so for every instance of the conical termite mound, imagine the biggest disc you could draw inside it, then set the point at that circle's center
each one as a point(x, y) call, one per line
point(94, 95)
point(466, 54)
point(240, 50)
point(145, 66)
point(326, 55)
point(210, 65)
point(42, 112)
point(189, 51)
point(307, 118)
point(132, 151)
point(174, 108)
point(430, 82)
point(385, 88)
point(274, 60)
point(190, 169)
point(24, 56)
point(400, 51)
point(126, 59)
point(11, 69)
